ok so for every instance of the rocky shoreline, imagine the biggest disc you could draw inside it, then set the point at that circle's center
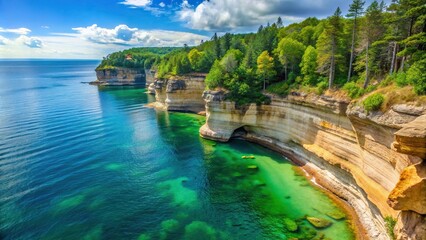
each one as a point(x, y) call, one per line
point(373, 161)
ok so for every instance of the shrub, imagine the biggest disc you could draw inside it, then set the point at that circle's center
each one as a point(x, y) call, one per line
point(353, 90)
point(281, 88)
point(321, 87)
point(390, 225)
point(373, 102)
point(417, 76)
point(401, 79)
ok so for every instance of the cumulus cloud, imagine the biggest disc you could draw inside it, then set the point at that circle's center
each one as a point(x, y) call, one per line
point(162, 4)
point(4, 41)
point(124, 35)
point(32, 42)
point(225, 15)
point(137, 3)
point(20, 31)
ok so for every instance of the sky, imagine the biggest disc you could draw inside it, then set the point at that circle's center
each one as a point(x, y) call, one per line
point(91, 29)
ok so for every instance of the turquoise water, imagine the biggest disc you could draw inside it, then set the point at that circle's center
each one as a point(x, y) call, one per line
point(81, 162)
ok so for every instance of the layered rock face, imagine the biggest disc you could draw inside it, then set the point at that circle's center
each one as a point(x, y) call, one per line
point(180, 93)
point(361, 158)
point(120, 76)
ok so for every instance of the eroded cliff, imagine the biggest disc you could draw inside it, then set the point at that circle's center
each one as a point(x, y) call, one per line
point(120, 76)
point(179, 93)
point(366, 159)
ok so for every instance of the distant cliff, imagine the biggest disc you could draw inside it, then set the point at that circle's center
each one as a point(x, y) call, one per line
point(120, 76)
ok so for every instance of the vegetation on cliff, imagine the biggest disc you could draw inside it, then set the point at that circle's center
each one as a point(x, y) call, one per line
point(143, 57)
point(372, 47)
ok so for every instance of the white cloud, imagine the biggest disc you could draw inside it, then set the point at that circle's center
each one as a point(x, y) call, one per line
point(124, 35)
point(45, 27)
point(137, 3)
point(162, 4)
point(92, 42)
point(225, 15)
point(32, 42)
point(20, 31)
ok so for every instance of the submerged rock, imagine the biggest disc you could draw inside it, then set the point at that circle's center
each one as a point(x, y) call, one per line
point(318, 222)
point(252, 167)
point(336, 215)
point(290, 225)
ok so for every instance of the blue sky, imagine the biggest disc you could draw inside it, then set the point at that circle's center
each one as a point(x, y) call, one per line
point(92, 28)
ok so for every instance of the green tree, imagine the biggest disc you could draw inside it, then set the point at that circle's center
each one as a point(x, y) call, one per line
point(309, 66)
point(265, 67)
point(195, 58)
point(328, 46)
point(373, 31)
point(215, 78)
point(355, 10)
point(290, 53)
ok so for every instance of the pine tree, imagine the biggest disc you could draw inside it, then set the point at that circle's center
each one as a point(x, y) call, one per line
point(373, 31)
point(279, 22)
point(328, 46)
point(355, 10)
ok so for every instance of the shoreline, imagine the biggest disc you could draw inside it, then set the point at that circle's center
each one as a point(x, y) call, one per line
point(360, 233)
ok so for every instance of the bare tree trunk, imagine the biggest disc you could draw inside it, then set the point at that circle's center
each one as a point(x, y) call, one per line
point(352, 51)
point(285, 72)
point(393, 58)
point(332, 65)
point(367, 80)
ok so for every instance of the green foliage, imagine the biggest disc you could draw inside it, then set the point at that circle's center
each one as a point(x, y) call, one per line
point(417, 75)
point(322, 86)
point(215, 78)
point(373, 102)
point(290, 53)
point(265, 67)
point(401, 79)
point(133, 58)
point(280, 88)
point(309, 66)
point(390, 225)
point(353, 90)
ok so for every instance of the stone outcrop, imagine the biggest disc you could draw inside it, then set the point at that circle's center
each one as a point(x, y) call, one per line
point(180, 93)
point(363, 158)
point(120, 77)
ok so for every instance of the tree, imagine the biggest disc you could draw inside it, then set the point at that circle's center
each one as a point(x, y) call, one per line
point(227, 38)
point(328, 46)
point(355, 10)
point(217, 48)
point(195, 57)
point(215, 77)
point(279, 22)
point(290, 52)
point(373, 31)
point(309, 66)
point(265, 67)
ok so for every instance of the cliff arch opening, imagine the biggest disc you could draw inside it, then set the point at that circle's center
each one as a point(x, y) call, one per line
point(240, 132)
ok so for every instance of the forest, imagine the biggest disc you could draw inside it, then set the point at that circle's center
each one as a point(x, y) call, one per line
point(371, 47)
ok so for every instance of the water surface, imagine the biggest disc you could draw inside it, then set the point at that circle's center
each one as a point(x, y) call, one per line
point(78, 162)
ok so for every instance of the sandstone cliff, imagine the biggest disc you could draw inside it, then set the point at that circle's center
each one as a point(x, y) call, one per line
point(180, 93)
point(369, 160)
point(120, 76)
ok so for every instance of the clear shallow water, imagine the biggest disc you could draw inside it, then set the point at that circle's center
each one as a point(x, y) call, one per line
point(78, 162)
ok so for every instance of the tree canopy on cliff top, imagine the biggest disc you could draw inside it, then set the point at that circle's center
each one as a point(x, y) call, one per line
point(373, 46)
